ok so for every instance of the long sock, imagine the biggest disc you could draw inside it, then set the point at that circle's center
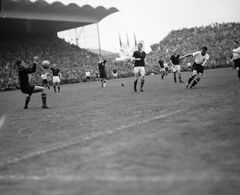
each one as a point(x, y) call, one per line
point(104, 83)
point(239, 74)
point(58, 88)
point(195, 82)
point(44, 99)
point(180, 79)
point(135, 85)
point(54, 87)
point(191, 78)
point(142, 83)
point(27, 101)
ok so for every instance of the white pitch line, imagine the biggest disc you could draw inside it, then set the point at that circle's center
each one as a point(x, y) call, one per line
point(2, 121)
point(205, 176)
point(84, 138)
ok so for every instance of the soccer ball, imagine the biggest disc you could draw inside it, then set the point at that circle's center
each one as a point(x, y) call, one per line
point(45, 64)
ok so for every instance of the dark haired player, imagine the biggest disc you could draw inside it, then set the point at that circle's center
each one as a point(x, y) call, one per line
point(236, 57)
point(139, 58)
point(102, 71)
point(200, 60)
point(26, 88)
point(115, 73)
point(176, 67)
point(56, 77)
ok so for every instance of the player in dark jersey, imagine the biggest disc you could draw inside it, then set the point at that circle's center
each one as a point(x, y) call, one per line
point(56, 77)
point(115, 73)
point(176, 68)
point(162, 68)
point(26, 88)
point(102, 71)
point(139, 66)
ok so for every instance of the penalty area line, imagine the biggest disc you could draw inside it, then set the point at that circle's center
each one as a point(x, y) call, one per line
point(80, 139)
point(203, 176)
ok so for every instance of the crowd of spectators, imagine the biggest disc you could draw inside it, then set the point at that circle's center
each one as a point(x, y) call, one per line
point(70, 59)
point(217, 37)
point(74, 61)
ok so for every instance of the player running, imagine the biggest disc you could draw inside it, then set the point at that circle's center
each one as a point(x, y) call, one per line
point(236, 57)
point(26, 88)
point(56, 77)
point(200, 60)
point(139, 58)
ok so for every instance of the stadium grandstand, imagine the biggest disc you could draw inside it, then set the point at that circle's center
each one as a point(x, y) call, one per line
point(31, 28)
point(217, 37)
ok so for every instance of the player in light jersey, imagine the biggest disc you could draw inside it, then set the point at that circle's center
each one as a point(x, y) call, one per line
point(56, 77)
point(200, 60)
point(88, 76)
point(236, 57)
point(161, 66)
point(44, 78)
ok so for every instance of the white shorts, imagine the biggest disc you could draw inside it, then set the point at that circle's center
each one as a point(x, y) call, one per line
point(114, 74)
point(176, 68)
point(139, 69)
point(56, 79)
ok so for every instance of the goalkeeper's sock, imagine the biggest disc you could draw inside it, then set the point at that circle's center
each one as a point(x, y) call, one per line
point(27, 101)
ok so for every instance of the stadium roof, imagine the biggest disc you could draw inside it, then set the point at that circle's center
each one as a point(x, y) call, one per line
point(41, 17)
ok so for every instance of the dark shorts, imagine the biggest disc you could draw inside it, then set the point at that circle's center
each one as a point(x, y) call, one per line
point(103, 75)
point(45, 81)
point(237, 63)
point(199, 68)
point(27, 89)
point(87, 77)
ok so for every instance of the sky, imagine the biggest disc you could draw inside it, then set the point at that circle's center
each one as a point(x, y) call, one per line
point(152, 20)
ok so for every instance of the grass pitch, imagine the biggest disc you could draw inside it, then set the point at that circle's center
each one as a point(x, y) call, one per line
point(99, 141)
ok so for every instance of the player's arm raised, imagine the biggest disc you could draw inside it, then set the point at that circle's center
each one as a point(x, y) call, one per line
point(236, 52)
